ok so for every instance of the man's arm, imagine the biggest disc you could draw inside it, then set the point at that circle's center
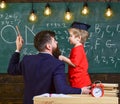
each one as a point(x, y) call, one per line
point(14, 64)
point(61, 85)
point(19, 43)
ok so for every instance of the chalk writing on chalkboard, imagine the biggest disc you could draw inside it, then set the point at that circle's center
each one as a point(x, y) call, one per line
point(108, 45)
point(102, 47)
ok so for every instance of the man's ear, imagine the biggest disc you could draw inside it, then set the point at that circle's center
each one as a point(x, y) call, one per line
point(48, 46)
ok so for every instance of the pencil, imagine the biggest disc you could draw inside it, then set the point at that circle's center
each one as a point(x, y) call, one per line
point(18, 30)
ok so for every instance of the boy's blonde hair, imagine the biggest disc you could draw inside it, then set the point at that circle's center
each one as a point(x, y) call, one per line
point(80, 33)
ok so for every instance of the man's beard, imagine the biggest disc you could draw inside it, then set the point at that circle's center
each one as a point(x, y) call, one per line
point(56, 52)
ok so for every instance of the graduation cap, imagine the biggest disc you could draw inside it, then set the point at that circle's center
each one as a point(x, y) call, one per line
point(79, 25)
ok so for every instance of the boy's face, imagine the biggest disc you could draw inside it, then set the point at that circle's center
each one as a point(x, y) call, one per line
point(72, 38)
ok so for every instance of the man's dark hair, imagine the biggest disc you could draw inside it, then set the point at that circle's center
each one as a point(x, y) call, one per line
point(42, 38)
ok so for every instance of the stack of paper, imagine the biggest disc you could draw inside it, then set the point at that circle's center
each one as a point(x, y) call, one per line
point(110, 89)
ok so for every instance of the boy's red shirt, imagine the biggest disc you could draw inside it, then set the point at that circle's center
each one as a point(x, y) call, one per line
point(78, 76)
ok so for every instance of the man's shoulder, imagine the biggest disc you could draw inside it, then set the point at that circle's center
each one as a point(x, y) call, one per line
point(56, 60)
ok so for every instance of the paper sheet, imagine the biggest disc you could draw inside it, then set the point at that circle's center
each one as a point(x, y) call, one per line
point(53, 95)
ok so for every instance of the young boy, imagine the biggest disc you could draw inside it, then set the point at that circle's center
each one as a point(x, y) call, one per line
point(77, 62)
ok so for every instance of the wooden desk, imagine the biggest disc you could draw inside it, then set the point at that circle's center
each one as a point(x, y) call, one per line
point(76, 99)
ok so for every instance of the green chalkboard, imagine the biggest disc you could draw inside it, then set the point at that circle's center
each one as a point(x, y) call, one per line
point(102, 47)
